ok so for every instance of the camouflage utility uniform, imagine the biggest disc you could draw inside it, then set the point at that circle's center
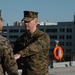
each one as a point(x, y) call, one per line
point(7, 61)
point(35, 49)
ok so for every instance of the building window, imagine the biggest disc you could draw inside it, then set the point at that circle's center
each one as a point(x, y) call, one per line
point(22, 30)
point(68, 43)
point(62, 30)
point(61, 43)
point(4, 30)
point(51, 30)
point(68, 36)
point(53, 43)
point(53, 36)
point(42, 29)
point(61, 37)
point(13, 30)
point(68, 30)
point(68, 50)
point(13, 36)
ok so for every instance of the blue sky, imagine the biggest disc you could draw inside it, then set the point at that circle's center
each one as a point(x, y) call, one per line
point(51, 10)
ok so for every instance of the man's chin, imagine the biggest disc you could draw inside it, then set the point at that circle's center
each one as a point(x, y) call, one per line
point(27, 29)
point(0, 31)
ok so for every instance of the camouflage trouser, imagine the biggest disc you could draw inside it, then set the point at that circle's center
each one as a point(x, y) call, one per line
point(34, 73)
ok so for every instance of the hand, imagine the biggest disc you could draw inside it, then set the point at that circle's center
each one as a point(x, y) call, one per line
point(17, 56)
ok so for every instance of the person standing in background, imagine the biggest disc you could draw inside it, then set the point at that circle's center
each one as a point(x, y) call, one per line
point(31, 50)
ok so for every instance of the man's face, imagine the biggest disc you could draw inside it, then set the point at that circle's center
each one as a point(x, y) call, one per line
point(0, 25)
point(30, 25)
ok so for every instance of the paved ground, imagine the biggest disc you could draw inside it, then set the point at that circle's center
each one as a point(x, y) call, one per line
point(62, 70)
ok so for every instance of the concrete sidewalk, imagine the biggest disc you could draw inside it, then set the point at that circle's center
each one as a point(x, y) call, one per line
point(59, 71)
point(62, 70)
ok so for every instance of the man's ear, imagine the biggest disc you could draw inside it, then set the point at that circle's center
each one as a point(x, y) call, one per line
point(36, 20)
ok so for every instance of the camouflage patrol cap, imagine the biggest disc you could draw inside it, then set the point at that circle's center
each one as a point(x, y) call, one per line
point(30, 15)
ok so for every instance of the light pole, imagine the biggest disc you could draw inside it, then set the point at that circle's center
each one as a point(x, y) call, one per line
point(56, 42)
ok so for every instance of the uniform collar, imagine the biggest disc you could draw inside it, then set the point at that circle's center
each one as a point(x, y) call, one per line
point(33, 34)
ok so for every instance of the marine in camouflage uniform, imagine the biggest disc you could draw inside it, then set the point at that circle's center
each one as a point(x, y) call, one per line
point(7, 62)
point(6, 56)
point(34, 50)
